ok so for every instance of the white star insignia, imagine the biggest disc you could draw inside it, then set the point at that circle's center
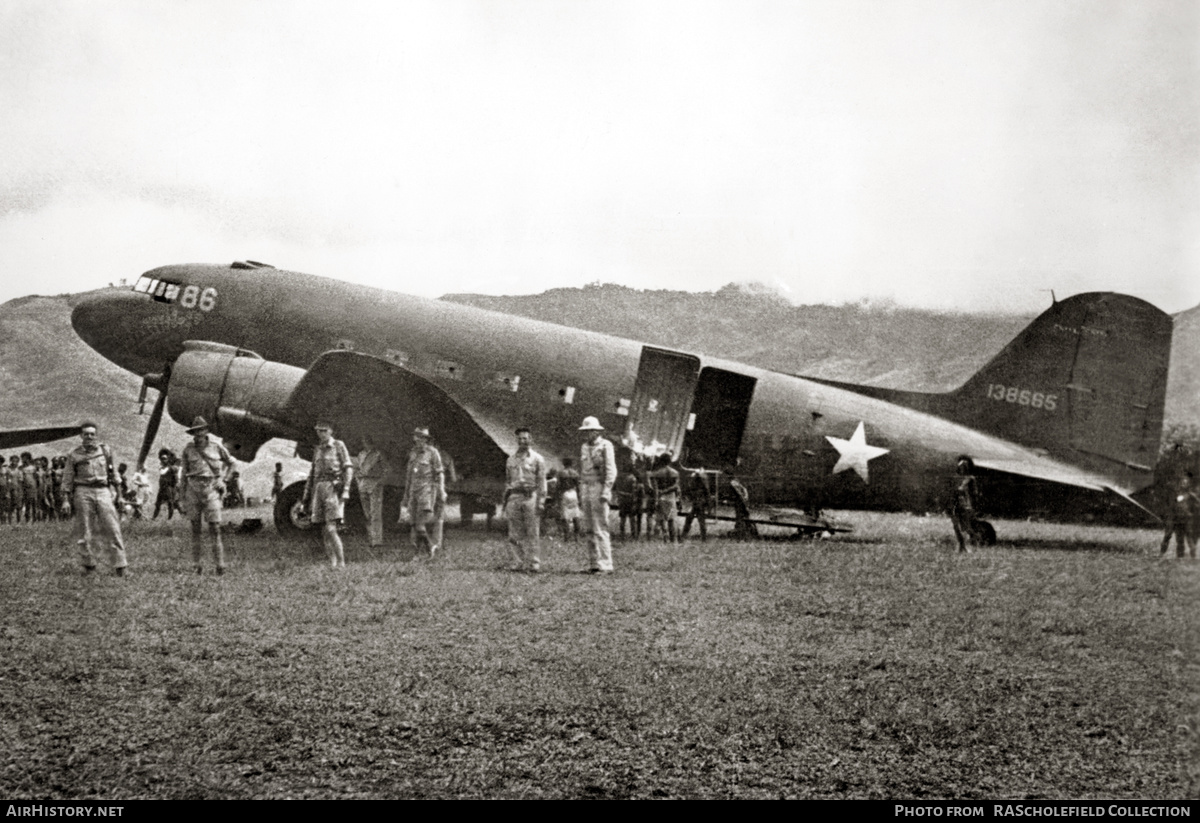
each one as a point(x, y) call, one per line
point(854, 453)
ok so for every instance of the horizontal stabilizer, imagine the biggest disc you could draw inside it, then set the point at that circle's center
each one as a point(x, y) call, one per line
point(1048, 470)
point(1051, 471)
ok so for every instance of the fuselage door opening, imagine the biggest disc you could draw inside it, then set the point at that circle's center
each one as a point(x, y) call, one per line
point(720, 407)
point(662, 402)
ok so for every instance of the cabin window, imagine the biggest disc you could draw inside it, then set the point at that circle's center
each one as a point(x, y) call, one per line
point(448, 369)
point(507, 382)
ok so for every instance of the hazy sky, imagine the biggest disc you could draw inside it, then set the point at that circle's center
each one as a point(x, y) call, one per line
point(958, 154)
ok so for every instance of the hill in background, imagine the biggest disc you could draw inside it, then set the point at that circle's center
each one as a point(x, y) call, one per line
point(48, 376)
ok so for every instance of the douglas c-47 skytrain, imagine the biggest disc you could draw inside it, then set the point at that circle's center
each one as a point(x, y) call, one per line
point(1068, 414)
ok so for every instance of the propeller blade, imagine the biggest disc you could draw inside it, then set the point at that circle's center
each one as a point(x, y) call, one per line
point(152, 428)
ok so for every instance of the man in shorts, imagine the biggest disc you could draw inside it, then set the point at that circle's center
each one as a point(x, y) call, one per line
point(328, 489)
point(425, 492)
point(204, 465)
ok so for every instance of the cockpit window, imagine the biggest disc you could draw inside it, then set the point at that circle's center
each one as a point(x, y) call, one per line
point(191, 296)
point(163, 291)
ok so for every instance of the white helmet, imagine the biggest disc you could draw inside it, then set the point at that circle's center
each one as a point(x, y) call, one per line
point(591, 424)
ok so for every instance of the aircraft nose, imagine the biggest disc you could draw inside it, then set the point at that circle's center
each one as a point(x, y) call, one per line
point(110, 321)
point(95, 318)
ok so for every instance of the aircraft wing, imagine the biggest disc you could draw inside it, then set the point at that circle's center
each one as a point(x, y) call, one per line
point(16, 438)
point(365, 395)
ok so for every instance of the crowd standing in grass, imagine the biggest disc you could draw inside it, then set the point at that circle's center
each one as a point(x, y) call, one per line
point(85, 483)
point(30, 488)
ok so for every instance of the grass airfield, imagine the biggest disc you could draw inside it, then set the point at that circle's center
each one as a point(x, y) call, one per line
point(1062, 663)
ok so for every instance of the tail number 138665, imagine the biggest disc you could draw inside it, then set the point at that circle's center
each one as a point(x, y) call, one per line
point(1022, 397)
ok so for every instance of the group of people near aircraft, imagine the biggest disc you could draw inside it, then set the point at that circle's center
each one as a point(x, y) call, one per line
point(575, 502)
point(30, 488)
point(654, 491)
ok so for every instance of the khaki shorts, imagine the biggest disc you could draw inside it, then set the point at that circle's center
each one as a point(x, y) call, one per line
point(327, 504)
point(202, 500)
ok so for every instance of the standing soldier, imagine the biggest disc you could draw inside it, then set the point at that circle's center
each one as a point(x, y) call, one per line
point(598, 472)
point(524, 499)
point(425, 492)
point(328, 489)
point(205, 463)
point(370, 472)
point(89, 483)
point(1180, 521)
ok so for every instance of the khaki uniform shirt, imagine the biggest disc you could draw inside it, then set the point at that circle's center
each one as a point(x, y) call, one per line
point(207, 463)
point(526, 472)
point(598, 466)
point(330, 462)
point(423, 479)
point(86, 466)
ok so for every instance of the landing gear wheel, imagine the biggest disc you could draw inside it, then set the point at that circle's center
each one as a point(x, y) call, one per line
point(470, 505)
point(985, 533)
point(289, 521)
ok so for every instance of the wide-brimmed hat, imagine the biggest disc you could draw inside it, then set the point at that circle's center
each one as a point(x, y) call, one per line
point(421, 431)
point(198, 426)
point(591, 424)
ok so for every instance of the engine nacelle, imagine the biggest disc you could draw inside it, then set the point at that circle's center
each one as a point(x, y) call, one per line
point(240, 394)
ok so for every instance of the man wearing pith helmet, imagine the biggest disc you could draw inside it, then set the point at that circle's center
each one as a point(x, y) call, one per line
point(597, 473)
point(425, 492)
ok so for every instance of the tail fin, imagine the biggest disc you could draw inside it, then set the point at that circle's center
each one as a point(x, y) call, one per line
point(1087, 381)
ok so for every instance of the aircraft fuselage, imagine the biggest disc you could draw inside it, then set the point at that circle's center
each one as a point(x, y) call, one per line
point(803, 443)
